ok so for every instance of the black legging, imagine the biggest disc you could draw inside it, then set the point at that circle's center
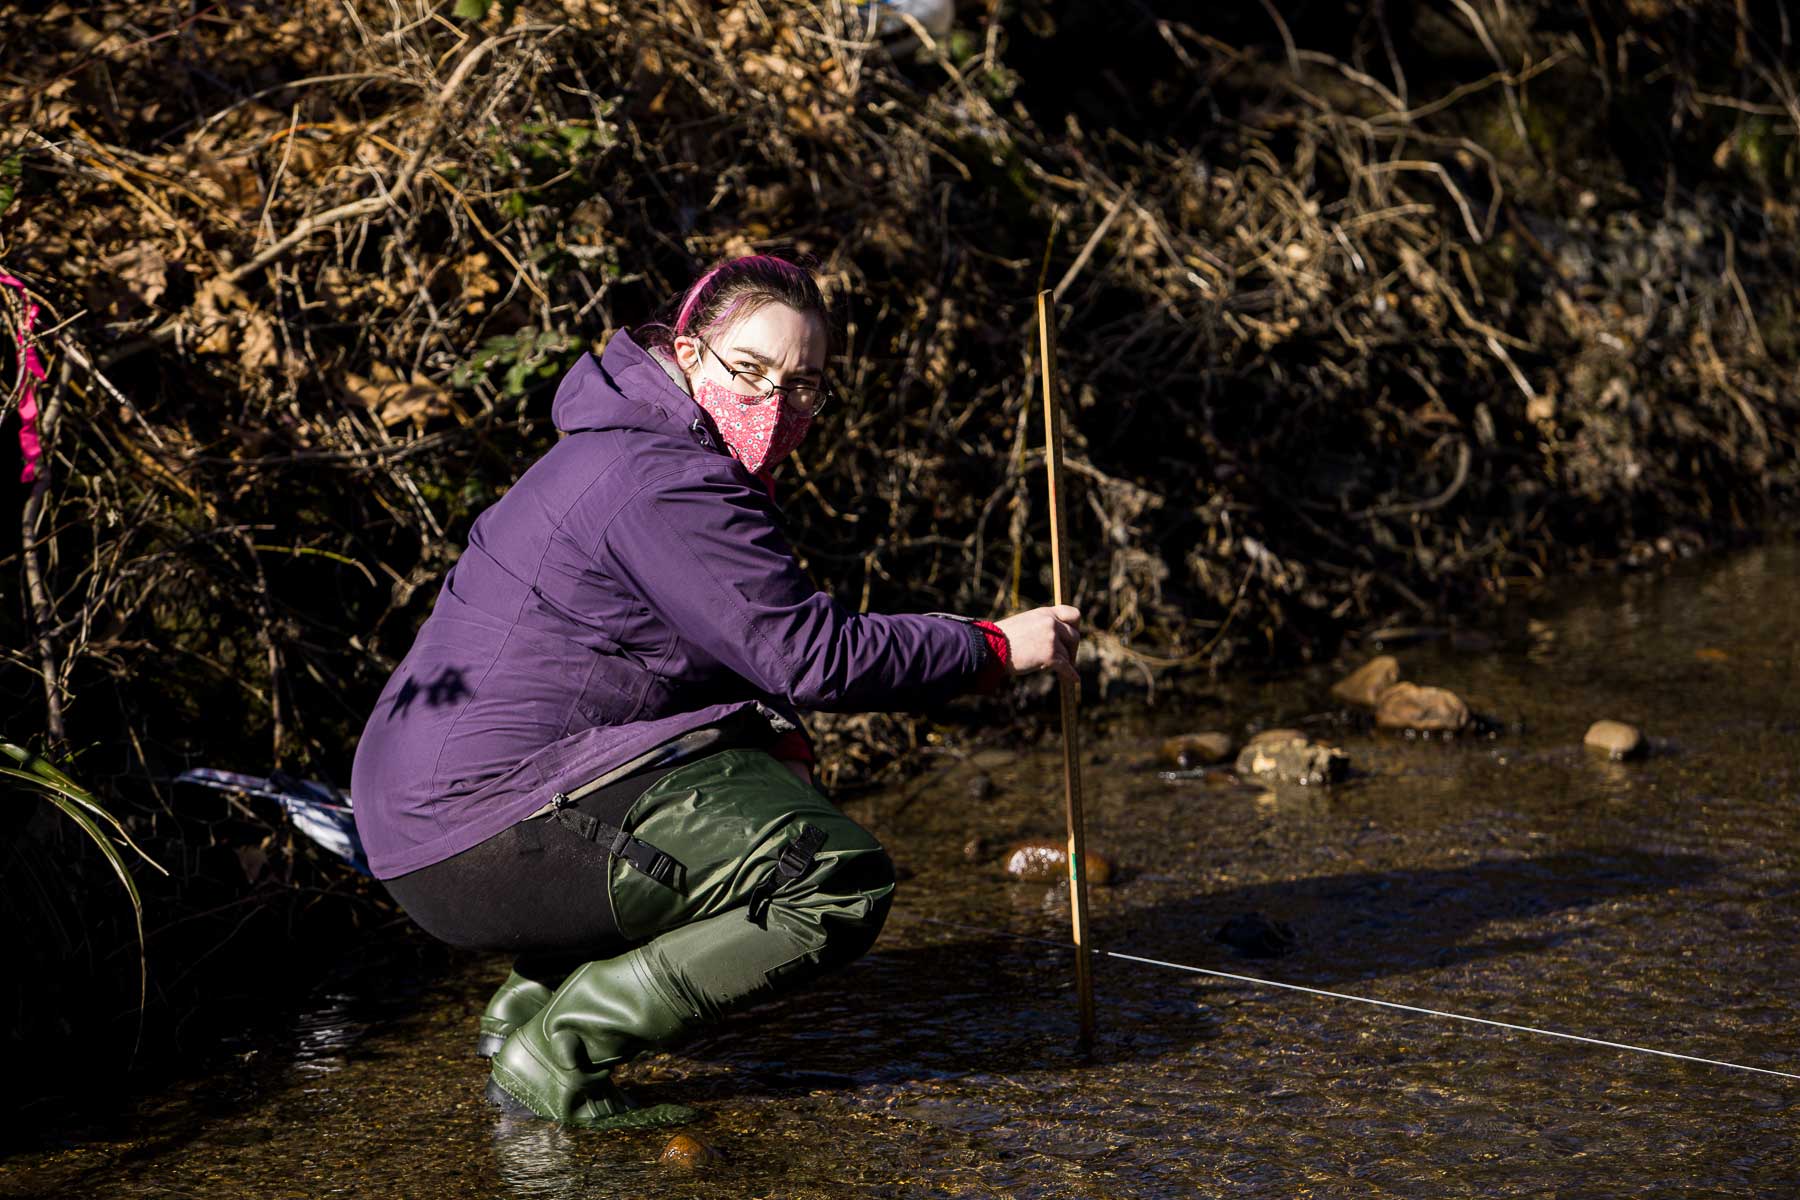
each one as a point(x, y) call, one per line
point(537, 888)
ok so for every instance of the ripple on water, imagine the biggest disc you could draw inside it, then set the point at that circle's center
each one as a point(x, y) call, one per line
point(1514, 878)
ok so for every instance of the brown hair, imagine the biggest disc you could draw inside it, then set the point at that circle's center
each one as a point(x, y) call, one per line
point(735, 288)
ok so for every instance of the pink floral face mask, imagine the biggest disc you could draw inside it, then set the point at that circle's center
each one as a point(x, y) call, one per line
point(758, 435)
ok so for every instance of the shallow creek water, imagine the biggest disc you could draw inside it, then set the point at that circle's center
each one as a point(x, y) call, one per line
point(1512, 877)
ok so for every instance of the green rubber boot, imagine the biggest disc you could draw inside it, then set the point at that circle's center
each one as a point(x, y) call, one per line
point(525, 992)
point(729, 819)
point(559, 1063)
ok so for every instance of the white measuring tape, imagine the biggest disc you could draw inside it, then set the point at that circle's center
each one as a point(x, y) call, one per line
point(1412, 1008)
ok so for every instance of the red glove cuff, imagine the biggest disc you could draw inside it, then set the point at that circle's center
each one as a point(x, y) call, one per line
point(792, 746)
point(998, 667)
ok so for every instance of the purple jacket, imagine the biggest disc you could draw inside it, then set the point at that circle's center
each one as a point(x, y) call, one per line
point(633, 585)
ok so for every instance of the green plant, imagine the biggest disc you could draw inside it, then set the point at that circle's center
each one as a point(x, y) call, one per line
point(475, 10)
point(10, 171)
point(37, 773)
point(528, 357)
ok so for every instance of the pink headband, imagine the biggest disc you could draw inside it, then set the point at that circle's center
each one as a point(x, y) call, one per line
point(692, 299)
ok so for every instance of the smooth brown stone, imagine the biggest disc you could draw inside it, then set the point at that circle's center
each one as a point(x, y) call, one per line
point(1293, 762)
point(1048, 862)
point(686, 1150)
point(1277, 735)
point(1712, 654)
point(1363, 686)
point(1427, 709)
point(1615, 739)
point(1197, 749)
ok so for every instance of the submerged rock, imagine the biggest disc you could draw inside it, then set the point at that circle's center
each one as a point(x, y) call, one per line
point(1363, 687)
point(1191, 750)
point(1293, 761)
point(1615, 739)
point(686, 1150)
point(1425, 709)
point(1256, 936)
point(1045, 861)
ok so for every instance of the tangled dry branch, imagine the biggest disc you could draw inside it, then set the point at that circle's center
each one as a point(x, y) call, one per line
point(1382, 315)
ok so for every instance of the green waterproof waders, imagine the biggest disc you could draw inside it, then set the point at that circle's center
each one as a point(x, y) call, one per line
point(526, 990)
point(768, 885)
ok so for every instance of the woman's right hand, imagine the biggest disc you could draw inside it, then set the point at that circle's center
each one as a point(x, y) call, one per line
point(1045, 638)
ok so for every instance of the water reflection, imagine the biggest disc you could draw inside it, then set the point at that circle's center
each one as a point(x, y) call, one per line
point(539, 1161)
point(324, 1034)
point(1518, 879)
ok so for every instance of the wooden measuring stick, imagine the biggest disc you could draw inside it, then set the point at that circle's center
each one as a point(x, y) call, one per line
point(1053, 464)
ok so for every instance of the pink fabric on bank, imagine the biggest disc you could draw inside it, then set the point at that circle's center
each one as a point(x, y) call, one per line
point(29, 445)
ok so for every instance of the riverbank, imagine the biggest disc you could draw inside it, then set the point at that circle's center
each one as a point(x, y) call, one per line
point(1355, 327)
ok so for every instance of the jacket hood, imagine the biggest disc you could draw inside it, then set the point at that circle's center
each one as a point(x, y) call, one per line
point(625, 388)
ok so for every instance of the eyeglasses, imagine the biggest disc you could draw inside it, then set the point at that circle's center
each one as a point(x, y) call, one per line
point(804, 398)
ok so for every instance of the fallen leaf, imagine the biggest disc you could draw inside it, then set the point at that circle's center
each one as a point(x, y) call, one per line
point(395, 401)
point(214, 305)
point(476, 282)
point(142, 269)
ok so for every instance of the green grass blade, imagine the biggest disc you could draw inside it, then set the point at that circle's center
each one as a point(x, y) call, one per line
point(78, 813)
point(76, 794)
point(37, 764)
point(38, 773)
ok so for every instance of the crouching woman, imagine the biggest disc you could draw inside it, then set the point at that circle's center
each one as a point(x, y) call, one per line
point(592, 760)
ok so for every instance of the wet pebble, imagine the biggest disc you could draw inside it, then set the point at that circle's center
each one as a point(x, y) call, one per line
point(1425, 709)
point(1045, 861)
point(1293, 761)
point(1363, 687)
point(1282, 734)
point(687, 1151)
point(1615, 739)
point(1191, 750)
point(1254, 935)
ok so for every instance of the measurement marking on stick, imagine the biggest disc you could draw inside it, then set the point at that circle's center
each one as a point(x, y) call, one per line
point(1312, 991)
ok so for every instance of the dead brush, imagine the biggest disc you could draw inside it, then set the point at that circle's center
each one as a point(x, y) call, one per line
point(1342, 340)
